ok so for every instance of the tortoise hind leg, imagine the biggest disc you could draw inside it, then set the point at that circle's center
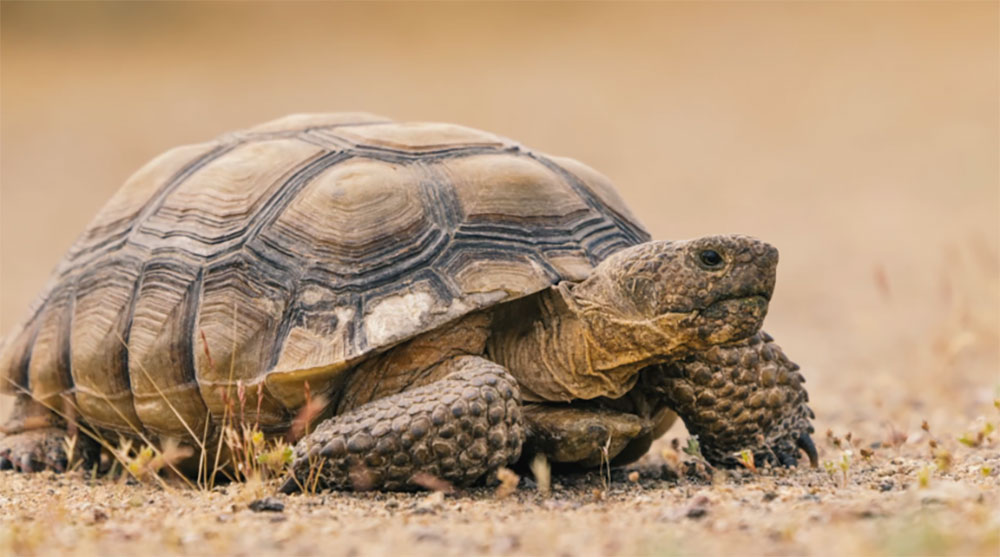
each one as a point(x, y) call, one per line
point(457, 429)
point(35, 440)
point(576, 437)
point(34, 450)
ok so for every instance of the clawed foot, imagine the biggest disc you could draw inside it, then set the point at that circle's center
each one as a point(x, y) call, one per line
point(43, 449)
point(786, 452)
point(742, 398)
point(780, 444)
point(803, 442)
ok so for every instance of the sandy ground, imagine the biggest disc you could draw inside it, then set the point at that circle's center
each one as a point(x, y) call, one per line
point(861, 139)
point(878, 511)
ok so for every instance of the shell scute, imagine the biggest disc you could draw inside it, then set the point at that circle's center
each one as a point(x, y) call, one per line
point(417, 137)
point(501, 187)
point(210, 212)
point(98, 345)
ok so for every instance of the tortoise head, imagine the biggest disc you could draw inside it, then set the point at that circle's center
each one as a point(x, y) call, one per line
point(660, 298)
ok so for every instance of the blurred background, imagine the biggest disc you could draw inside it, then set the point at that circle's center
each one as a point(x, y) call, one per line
point(859, 138)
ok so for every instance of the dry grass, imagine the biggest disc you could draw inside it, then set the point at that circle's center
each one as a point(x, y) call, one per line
point(861, 139)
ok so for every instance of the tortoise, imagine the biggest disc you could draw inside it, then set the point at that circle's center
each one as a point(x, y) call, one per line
point(458, 300)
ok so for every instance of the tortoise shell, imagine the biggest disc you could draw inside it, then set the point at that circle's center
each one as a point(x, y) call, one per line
point(289, 252)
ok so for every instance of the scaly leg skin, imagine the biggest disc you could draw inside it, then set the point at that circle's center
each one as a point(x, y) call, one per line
point(34, 439)
point(744, 396)
point(35, 450)
point(456, 429)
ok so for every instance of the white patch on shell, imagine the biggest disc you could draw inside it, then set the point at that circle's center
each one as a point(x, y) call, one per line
point(312, 295)
point(402, 316)
point(344, 315)
point(397, 315)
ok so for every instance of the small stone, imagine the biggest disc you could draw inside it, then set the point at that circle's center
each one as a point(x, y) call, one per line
point(633, 476)
point(867, 513)
point(430, 504)
point(698, 507)
point(100, 515)
point(267, 504)
point(696, 512)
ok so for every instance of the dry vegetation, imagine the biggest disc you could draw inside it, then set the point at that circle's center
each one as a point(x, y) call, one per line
point(861, 139)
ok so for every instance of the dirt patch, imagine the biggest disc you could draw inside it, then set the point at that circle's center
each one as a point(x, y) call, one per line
point(895, 503)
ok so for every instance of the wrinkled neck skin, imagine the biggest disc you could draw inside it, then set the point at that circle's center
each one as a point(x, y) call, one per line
point(562, 348)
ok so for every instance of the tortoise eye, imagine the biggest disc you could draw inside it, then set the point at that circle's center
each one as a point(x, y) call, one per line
point(710, 258)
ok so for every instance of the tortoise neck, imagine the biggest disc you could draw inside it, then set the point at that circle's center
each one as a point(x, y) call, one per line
point(558, 351)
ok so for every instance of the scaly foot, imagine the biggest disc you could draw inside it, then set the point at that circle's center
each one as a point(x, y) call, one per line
point(456, 429)
point(35, 450)
point(746, 396)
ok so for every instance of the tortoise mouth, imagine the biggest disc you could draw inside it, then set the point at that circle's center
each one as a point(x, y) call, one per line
point(739, 304)
point(731, 319)
point(725, 305)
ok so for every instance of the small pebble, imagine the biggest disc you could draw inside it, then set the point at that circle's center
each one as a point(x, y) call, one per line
point(696, 512)
point(430, 504)
point(267, 504)
point(698, 507)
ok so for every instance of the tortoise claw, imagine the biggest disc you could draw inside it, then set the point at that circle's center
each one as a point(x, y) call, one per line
point(786, 451)
point(25, 464)
point(289, 486)
point(805, 443)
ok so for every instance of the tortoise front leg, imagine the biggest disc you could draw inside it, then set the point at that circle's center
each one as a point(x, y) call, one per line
point(456, 429)
point(743, 396)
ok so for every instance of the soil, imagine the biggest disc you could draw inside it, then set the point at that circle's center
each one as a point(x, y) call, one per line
point(900, 501)
point(861, 139)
